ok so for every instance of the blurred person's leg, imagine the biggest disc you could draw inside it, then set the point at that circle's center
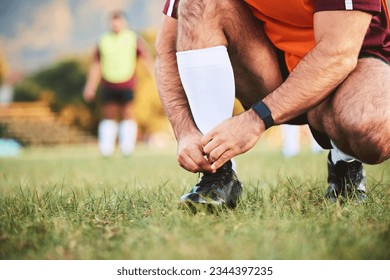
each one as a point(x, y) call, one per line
point(108, 128)
point(291, 140)
point(127, 129)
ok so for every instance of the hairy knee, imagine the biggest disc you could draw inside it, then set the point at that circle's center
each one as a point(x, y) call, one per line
point(378, 148)
point(370, 141)
point(198, 7)
point(192, 12)
point(191, 9)
point(198, 25)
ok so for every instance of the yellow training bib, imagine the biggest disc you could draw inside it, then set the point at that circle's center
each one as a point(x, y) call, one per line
point(118, 55)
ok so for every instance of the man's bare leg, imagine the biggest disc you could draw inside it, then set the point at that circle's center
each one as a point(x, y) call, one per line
point(357, 116)
point(357, 120)
point(205, 29)
point(204, 24)
point(213, 36)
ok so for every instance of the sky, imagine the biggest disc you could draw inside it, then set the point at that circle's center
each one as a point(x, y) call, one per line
point(34, 33)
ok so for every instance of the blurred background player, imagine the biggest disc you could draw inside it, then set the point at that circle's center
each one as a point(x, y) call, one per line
point(114, 64)
point(291, 144)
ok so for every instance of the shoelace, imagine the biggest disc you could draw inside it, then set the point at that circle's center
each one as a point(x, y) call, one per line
point(350, 168)
point(354, 167)
point(208, 179)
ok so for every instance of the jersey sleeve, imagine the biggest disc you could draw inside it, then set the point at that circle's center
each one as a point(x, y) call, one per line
point(170, 8)
point(369, 6)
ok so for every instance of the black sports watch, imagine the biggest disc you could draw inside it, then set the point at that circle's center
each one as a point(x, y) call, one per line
point(264, 113)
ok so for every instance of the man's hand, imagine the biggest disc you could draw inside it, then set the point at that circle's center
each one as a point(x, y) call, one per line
point(234, 136)
point(190, 153)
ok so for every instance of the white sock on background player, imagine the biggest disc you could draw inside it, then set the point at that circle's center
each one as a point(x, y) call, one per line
point(291, 140)
point(107, 134)
point(208, 80)
point(127, 136)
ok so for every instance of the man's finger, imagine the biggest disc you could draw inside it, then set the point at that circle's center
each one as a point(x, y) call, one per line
point(187, 162)
point(211, 145)
point(222, 159)
point(207, 138)
point(216, 153)
point(194, 161)
point(206, 167)
point(201, 162)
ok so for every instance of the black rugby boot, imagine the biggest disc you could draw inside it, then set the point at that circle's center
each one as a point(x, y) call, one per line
point(346, 179)
point(222, 188)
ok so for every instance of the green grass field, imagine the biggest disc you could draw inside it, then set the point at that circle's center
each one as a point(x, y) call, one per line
point(69, 203)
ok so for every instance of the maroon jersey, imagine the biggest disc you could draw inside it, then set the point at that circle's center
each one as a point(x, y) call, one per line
point(377, 39)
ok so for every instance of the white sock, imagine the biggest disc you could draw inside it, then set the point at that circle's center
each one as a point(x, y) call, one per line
point(208, 80)
point(291, 140)
point(127, 136)
point(107, 133)
point(338, 155)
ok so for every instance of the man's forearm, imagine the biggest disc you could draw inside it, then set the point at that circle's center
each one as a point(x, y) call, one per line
point(314, 78)
point(93, 79)
point(94, 76)
point(332, 59)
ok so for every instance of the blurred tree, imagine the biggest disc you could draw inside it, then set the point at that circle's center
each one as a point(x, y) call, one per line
point(65, 78)
point(60, 85)
point(27, 90)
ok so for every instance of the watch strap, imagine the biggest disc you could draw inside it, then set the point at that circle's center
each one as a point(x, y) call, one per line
point(264, 113)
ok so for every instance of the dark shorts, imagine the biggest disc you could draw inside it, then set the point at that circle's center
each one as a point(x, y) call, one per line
point(321, 138)
point(117, 95)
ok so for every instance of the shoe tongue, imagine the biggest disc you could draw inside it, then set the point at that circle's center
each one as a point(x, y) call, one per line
point(355, 166)
point(223, 169)
point(343, 167)
point(226, 166)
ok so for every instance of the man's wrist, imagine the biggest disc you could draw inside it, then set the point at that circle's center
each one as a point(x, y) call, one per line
point(264, 113)
point(254, 118)
point(183, 129)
